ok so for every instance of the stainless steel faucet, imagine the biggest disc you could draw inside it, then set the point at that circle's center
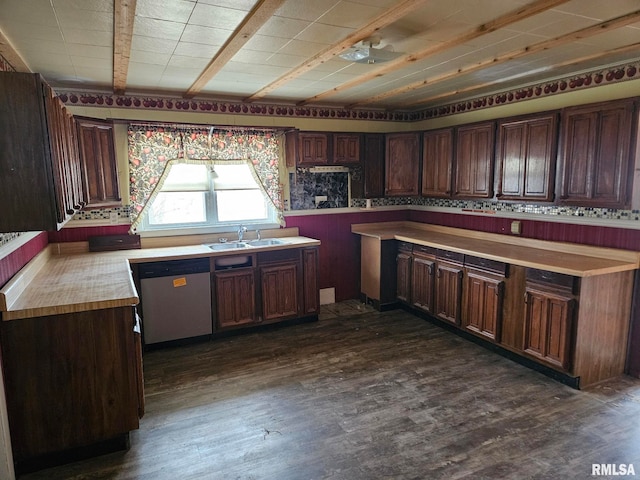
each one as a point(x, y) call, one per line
point(258, 234)
point(241, 230)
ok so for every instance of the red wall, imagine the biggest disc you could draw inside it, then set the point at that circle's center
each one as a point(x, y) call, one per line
point(82, 234)
point(12, 263)
point(340, 249)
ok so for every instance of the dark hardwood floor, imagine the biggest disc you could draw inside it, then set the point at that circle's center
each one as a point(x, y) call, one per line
point(364, 395)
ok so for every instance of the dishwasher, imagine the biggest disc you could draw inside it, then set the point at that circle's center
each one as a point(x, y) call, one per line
point(176, 300)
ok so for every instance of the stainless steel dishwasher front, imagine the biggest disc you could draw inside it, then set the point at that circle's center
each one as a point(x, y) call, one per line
point(176, 299)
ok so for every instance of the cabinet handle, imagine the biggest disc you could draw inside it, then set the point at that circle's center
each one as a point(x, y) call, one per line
point(431, 269)
point(460, 275)
point(525, 298)
point(499, 194)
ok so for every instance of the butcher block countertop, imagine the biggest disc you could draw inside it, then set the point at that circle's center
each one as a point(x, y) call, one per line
point(567, 258)
point(66, 278)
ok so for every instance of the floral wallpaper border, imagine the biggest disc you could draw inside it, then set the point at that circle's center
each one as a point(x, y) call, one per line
point(594, 78)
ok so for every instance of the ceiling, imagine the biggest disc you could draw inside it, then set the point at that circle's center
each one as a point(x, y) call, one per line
point(286, 51)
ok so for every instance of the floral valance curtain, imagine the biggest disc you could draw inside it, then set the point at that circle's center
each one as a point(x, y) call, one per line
point(151, 147)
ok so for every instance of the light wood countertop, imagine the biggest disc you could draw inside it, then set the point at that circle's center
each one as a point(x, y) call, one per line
point(58, 281)
point(568, 258)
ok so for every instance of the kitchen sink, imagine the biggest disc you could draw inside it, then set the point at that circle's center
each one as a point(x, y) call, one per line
point(266, 242)
point(219, 247)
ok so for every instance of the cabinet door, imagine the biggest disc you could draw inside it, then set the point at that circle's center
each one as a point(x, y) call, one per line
point(422, 283)
point(402, 164)
point(312, 149)
point(279, 291)
point(437, 163)
point(449, 292)
point(548, 326)
point(474, 161)
point(483, 300)
point(235, 298)
point(595, 155)
point(403, 273)
point(526, 154)
point(98, 160)
point(346, 148)
point(310, 281)
point(373, 165)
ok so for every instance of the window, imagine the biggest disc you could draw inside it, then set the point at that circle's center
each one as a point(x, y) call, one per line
point(199, 198)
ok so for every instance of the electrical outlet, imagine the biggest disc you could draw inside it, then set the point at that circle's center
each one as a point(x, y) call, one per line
point(515, 227)
point(113, 217)
point(320, 198)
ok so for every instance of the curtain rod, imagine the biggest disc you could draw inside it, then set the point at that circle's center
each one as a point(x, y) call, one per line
point(203, 126)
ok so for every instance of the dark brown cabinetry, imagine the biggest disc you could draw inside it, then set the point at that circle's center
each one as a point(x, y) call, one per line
point(548, 318)
point(310, 281)
point(423, 282)
point(279, 291)
point(235, 297)
point(474, 161)
point(437, 163)
point(484, 296)
point(402, 164)
point(40, 169)
point(449, 291)
point(346, 148)
point(72, 380)
point(526, 152)
point(595, 165)
point(403, 273)
point(373, 165)
point(313, 148)
point(98, 160)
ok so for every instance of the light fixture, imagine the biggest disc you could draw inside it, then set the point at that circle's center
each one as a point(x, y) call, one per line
point(365, 52)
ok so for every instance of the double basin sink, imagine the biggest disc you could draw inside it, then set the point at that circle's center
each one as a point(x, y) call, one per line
point(265, 242)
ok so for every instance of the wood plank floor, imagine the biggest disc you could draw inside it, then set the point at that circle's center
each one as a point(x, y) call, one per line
point(364, 395)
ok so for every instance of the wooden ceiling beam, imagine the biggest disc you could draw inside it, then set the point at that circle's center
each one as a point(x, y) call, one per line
point(11, 55)
point(124, 12)
point(634, 47)
point(526, 11)
point(258, 16)
point(385, 18)
point(581, 34)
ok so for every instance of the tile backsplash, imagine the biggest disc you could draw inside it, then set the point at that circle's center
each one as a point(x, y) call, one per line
point(305, 186)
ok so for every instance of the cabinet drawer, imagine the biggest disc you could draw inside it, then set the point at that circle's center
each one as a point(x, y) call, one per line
point(557, 280)
point(451, 256)
point(405, 247)
point(424, 250)
point(486, 264)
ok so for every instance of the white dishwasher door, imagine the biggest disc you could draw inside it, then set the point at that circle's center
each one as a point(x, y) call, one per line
point(176, 307)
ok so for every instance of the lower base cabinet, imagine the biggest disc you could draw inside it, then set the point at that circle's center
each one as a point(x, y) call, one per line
point(484, 298)
point(449, 291)
point(279, 286)
point(548, 324)
point(71, 381)
point(235, 294)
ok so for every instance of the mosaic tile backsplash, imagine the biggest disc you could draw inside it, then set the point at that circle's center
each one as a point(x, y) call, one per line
point(7, 237)
point(103, 213)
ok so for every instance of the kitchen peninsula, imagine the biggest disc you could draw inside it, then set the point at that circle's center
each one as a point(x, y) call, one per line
point(560, 307)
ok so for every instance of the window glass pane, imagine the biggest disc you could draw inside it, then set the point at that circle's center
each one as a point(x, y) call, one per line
point(233, 177)
point(186, 177)
point(236, 205)
point(178, 207)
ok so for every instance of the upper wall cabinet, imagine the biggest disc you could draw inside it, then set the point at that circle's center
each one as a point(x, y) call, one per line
point(474, 161)
point(437, 163)
point(313, 148)
point(402, 164)
point(373, 165)
point(98, 160)
point(594, 159)
point(39, 165)
point(525, 157)
point(346, 148)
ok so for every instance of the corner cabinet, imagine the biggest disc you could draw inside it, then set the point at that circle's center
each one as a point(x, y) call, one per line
point(98, 160)
point(595, 155)
point(39, 167)
point(402, 164)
